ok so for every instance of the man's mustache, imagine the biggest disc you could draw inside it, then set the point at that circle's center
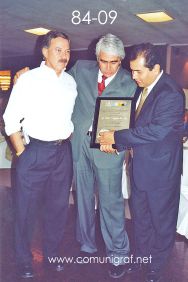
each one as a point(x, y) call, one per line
point(64, 61)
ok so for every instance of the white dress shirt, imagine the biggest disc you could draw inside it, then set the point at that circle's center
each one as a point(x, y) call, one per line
point(45, 102)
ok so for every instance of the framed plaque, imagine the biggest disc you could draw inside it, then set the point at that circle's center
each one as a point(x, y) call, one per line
point(113, 113)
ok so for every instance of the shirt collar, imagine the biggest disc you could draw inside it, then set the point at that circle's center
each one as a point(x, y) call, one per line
point(44, 66)
point(100, 74)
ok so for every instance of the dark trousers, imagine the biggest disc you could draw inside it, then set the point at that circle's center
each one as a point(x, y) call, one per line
point(154, 214)
point(43, 168)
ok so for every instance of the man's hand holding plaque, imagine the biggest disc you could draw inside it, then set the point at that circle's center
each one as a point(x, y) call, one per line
point(106, 140)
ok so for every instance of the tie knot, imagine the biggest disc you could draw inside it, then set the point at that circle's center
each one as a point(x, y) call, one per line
point(104, 77)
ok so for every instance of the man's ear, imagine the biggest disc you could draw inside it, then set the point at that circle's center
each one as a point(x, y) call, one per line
point(157, 68)
point(45, 52)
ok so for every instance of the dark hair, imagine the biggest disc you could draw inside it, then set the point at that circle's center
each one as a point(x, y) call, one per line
point(51, 35)
point(149, 52)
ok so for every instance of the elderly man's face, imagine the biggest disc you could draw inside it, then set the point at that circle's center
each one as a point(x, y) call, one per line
point(57, 55)
point(108, 64)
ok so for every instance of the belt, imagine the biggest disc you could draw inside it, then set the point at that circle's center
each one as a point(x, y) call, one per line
point(55, 142)
point(89, 133)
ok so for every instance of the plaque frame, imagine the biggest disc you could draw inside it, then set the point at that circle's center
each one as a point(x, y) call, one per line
point(93, 142)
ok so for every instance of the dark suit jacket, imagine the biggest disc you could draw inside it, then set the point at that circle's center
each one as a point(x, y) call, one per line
point(157, 137)
point(86, 75)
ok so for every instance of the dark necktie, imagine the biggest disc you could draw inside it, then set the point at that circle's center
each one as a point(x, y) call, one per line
point(101, 85)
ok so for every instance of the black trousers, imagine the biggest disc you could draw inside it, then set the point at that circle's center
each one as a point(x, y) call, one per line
point(154, 214)
point(43, 168)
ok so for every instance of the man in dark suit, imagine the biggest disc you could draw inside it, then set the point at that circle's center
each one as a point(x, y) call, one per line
point(156, 163)
point(91, 166)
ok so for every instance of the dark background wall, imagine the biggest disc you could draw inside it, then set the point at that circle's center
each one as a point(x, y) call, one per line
point(179, 66)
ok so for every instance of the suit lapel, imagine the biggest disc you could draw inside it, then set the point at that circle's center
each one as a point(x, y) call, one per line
point(93, 79)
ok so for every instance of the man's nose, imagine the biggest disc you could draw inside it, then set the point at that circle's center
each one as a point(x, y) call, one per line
point(133, 75)
point(108, 66)
point(63, 54)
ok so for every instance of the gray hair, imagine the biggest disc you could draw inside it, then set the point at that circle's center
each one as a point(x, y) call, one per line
point(110, 44)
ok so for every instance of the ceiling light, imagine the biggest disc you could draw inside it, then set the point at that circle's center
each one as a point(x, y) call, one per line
point(37, 31)
point(155, 17)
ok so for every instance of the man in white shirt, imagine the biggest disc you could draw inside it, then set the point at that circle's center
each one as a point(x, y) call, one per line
point(93, 168)
point(42, 103)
